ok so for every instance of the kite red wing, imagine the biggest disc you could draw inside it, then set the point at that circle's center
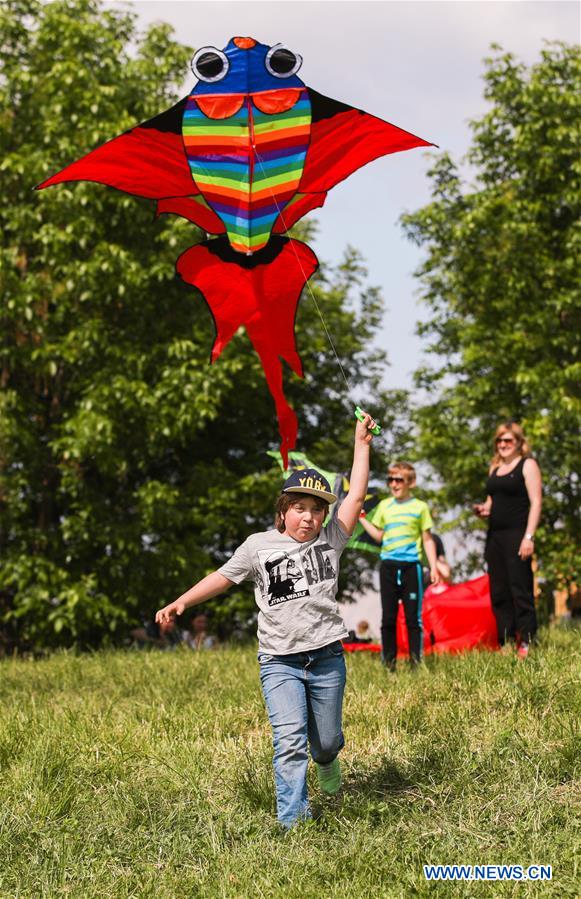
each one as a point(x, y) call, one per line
point(343, 139)
point(246, 155)
point(195, 209)
point(147, 161)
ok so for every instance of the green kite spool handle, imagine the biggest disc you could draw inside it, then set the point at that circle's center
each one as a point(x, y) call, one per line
point(360, 414)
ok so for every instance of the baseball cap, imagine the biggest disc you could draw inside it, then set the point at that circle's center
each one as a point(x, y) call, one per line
point(309, 480)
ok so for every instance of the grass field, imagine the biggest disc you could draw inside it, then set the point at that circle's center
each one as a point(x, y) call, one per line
point(128, 774)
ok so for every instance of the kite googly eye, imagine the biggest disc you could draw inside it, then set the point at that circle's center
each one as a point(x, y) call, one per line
point(282, 62)
point(210, 65)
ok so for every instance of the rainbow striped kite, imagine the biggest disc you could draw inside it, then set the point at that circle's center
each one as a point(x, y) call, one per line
point(244, 156)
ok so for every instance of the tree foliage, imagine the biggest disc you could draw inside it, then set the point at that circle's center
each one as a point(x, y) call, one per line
point(128, 467)
point(500, 283)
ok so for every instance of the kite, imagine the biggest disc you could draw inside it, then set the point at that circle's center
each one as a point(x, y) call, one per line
point(455, 617)
point(244, 156)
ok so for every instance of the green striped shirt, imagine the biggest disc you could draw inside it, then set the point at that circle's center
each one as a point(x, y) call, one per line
point(403, 523)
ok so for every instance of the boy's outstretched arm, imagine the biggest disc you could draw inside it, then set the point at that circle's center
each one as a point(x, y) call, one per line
point(209, 586)
point(351, 506)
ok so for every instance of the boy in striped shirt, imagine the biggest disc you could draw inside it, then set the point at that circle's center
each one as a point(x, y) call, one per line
point(401, 524)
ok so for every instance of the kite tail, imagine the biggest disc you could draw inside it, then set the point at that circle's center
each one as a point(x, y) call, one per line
point(260, 292)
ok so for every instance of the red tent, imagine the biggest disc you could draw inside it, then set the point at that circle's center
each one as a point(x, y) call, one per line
point(455, 617)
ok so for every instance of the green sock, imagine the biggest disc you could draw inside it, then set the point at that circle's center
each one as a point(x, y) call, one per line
point(329, 777)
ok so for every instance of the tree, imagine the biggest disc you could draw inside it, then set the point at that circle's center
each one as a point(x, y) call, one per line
point(128, 467)
point(500, 282)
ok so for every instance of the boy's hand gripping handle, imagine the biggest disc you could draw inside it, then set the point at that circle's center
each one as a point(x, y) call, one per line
point(360, 414)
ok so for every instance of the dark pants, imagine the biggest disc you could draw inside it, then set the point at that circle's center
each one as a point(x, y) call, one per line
point(511, 586)
point(401, 580)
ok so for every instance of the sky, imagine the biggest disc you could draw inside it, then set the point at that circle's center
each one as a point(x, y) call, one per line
point(418, 65)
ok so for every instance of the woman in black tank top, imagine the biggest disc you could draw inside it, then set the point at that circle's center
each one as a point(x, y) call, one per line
point(510, 500)
point(513, 510)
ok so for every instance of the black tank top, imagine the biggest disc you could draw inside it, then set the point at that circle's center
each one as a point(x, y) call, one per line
point(510, 500)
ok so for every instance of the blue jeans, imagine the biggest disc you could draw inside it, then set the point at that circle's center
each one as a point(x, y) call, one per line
point(304, 698)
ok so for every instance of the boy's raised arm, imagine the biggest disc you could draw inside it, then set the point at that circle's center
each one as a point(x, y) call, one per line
point(351, 506)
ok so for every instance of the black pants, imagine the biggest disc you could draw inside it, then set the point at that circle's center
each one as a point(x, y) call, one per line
point(401, 580)
point(511, 586)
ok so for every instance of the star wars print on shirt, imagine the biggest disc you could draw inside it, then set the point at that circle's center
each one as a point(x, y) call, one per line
point(283, 576)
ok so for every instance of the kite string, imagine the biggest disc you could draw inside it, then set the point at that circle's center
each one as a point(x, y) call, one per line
point(307, 283)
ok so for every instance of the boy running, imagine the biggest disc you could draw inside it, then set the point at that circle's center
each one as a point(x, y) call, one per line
point(295, 568)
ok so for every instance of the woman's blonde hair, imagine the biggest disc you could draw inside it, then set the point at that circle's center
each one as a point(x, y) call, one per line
point(521, 442)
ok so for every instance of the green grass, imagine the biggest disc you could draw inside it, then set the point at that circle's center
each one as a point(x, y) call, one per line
point(128, 774)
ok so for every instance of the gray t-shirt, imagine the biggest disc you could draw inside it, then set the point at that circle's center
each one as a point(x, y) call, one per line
point(295, 585)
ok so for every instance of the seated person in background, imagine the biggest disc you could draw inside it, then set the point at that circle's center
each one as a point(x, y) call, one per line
point(360, 634)
point(197, 637)
point(165, 635)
